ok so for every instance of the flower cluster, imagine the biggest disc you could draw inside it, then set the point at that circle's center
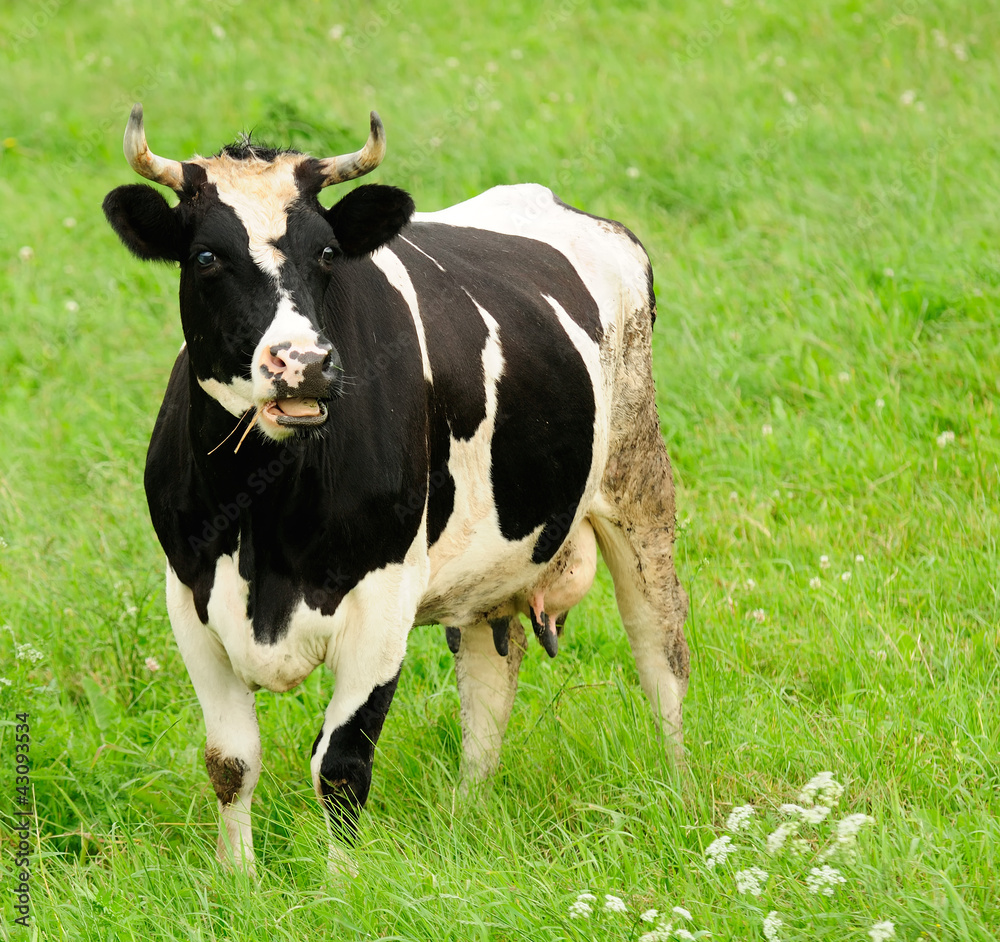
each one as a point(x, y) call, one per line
point(582, 909)
point(671, 925)
point(739, 818)
point(719, 850)
point(824, 879)
point(750, 881)
point(809, 834)
point(668, 926)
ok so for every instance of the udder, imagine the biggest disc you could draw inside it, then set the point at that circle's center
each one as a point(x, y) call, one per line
point(566, 581)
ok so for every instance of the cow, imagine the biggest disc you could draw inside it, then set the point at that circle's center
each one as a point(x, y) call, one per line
point(381, 419)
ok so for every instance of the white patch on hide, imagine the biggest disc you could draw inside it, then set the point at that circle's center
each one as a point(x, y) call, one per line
point(397, 276)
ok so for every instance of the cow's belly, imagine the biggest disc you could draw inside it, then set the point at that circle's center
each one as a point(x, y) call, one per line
point(491, 577)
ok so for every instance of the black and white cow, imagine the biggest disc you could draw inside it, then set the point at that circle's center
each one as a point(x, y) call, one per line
point(382, 419)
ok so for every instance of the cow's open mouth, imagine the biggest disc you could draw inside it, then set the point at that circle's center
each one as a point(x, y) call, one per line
point(296, 413)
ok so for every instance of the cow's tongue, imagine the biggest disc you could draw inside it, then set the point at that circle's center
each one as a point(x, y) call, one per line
point(298, 407)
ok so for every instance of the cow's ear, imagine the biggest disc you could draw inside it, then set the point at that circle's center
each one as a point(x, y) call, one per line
point(145, 222)
point(368, 217)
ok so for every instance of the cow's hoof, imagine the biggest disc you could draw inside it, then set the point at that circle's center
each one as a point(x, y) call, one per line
point(339, 863)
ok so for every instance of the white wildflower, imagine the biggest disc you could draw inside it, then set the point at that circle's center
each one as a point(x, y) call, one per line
point(880, 404)
point(961, 53)
point(614, 904)
point(27, 652)
point(908, 97)
point(824, 879)
point(940, 40)
point(336, 32)
point(217, 31)
point(69, 222)
point(587, 897)
point(815, 582)
point(758, 615)
point(888, 272)
point(71, 306)
point(739, 818)
point(848, 828)
point(683, 934)
point(845, 576)
point(25, 253)
point(682, 912)
point(772, 923)
point(580, 910)
point(789, 96)
point(750, 881)
point(882, 931)
point(859, 559)
point(152, 665)
point(632, 173)
point(766, 430)
point(649, 915)
point(844, 376)
point(821, 789)
point(718, 850)
point(824, 562)
point(945, 439)
point(776, 839)
point(800, 847)
point(815, 814)
point(751, 584)
point(4, 682)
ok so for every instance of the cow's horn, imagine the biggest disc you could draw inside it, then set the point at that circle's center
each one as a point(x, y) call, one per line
point(349, 166)
point(143, 161)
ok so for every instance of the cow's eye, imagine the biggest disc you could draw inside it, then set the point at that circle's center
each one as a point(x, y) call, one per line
point(205, 259)
point(328, 255)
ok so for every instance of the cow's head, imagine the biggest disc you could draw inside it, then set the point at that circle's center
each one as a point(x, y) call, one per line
point(257, 252)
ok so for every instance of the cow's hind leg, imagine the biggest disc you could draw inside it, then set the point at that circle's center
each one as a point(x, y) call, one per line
point(232, 750)
point(487, 682)
point(635, 530)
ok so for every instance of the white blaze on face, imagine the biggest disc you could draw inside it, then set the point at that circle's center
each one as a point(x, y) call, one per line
point(260, 193)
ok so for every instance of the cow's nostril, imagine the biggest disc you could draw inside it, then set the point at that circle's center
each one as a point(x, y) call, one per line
point(273, 361)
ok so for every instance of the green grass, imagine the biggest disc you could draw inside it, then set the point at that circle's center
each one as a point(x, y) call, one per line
point(827, 272)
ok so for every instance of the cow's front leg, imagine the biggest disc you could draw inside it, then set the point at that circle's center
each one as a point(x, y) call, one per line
point(342, 758)
point(232, 750)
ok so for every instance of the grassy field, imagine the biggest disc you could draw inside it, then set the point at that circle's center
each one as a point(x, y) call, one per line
point(817, 185)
